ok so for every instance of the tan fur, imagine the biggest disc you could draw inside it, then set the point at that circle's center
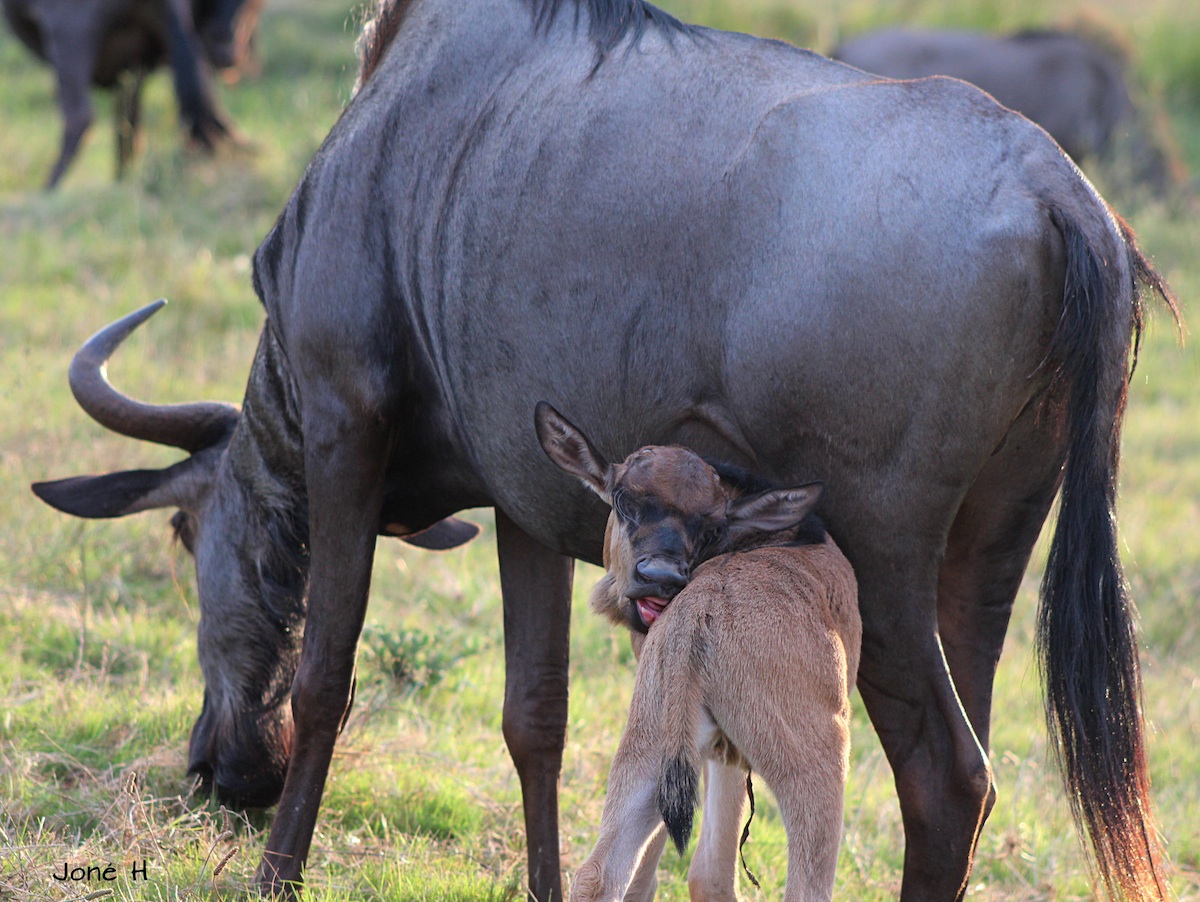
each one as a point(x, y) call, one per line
point(751, 664)
point(746, 659)
point(694, 489)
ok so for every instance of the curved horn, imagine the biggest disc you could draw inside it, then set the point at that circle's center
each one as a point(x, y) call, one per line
point(191, 427)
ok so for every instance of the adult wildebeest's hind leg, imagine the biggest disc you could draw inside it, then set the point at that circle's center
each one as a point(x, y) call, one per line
point(71, 45)
point(986, 555)
point(942, 775)
point(344, 458)
point(536, 585)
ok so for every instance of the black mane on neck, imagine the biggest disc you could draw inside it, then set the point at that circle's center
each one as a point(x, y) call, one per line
point(610, 20)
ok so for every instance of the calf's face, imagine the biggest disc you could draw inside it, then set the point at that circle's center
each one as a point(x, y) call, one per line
point(670, 513)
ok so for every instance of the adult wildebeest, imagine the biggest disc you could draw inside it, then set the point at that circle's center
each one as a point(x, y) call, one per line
point(684, 237)
point(116, 43)
point(1072, 86)
point(745, 618)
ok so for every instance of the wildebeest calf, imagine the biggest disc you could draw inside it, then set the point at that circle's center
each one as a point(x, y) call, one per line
point(754, 648)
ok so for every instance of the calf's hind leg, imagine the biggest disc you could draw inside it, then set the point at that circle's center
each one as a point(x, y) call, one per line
point(631, 828)
point(645, 880)
point(807, 773)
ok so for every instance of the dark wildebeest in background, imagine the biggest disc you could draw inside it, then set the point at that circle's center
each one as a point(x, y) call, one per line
point(684, 237)
point(1073, 87)
point(744, 615)
point(116, 43)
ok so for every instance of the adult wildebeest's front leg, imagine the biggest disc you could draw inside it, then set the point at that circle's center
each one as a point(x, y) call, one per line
point(344, 459)
point(942, 775)
point(190, 72)
point(536, 584)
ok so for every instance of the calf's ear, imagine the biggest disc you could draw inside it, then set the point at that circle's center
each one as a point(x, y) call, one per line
point(569, 449)
point(773, 510)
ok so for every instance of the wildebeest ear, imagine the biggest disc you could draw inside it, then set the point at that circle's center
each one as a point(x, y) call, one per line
point(773, 510)
point(121, 493)
point(441, 536)
point(570, 449)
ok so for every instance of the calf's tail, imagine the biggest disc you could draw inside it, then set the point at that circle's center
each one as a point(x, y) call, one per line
point(679, 771)
point(1086, 641)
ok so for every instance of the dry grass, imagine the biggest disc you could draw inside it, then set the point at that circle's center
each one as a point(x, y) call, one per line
point(99, 682)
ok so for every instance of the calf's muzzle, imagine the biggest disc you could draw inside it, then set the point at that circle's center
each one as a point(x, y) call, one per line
point(664, 576)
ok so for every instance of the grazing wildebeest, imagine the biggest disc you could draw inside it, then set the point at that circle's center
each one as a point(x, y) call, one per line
point(749, 664)
point(1073, 87)
point(116, 43)
point(684, 237)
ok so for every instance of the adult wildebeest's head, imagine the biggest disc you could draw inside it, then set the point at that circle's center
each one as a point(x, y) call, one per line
point(671, 511)
point(242, 515)
point(241, 741)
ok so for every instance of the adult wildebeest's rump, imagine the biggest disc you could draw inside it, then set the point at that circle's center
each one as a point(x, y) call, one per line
point(681, 236)
point(1071, 86)
point(116, 43)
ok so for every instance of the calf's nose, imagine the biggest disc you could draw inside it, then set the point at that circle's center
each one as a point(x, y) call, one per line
point(663, 572)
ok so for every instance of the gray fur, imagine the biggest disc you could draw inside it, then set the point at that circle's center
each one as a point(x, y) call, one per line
point(701, 239)
point(1073, 87)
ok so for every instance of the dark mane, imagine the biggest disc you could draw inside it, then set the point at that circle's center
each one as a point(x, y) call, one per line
point(610, 22)
point(280, 571)
point(1032, 35)
point(741, 480)
point(378, 32)
point(811, 530)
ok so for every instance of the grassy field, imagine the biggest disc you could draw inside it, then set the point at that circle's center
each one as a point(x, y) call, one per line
point(99, 682)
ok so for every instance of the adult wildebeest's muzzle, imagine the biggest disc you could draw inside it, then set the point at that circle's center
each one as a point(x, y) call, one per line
point(241, 758)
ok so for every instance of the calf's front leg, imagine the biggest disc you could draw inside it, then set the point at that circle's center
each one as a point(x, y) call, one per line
point(712, 876)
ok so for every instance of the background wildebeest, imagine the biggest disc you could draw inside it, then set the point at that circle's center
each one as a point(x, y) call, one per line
point(745, 617)
point(896, 287)
point(1072, 86)
point(116, 43)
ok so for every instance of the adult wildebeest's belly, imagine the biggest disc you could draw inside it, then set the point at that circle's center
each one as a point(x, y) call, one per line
point(792, 288)
point(809, 276)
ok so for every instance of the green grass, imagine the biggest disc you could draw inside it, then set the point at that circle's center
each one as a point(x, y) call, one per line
point(99, 682)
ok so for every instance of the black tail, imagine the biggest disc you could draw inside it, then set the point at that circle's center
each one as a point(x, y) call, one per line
point(1086, 644)
point(678, 795)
